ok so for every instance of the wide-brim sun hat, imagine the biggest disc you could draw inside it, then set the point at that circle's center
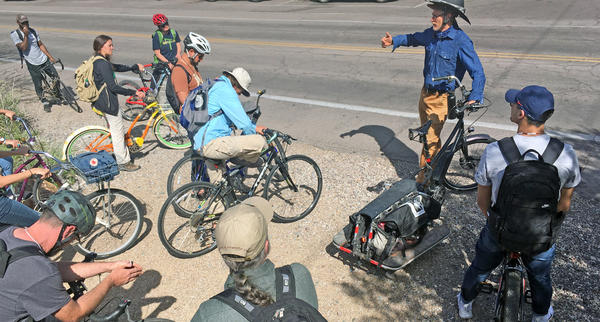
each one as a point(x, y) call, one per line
point(242, 77)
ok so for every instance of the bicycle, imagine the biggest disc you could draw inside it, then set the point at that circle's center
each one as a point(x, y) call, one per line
point(55, 91)
point(511, 291)
point(134, 106)
point(189, 215)
point(165, 126)
point(77, 289)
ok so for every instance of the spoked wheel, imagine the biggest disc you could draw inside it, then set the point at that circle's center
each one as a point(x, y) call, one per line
point(69, 97)
point(189, 169)
point(512, 288)
point(118, 223)
point(131, 111)
point(44, 188)
point(294, 197)
point(90, 140)
point(170, 133)
point(188, 218)
point(460, 175)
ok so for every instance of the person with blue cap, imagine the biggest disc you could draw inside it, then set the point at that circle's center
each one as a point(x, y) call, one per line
point(530, 108)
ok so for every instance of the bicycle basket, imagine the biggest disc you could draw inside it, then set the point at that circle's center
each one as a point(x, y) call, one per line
point(96, 166)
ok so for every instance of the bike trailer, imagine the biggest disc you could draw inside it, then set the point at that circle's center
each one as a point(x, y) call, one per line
point(96, 166)
point(396, 220)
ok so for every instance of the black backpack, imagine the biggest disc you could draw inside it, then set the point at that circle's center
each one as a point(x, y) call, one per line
point(287, 306)
point(15, 254)
point(170, 90)
point(22, 37)
point(524, 218)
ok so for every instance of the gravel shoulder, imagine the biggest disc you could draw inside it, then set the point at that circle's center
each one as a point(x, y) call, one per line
point(426, 290)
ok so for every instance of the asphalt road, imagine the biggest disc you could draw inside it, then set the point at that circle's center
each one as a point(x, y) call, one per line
point(323, 66)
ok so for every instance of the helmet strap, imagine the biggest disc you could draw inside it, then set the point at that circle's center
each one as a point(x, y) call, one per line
point(60, 243)
point(188, 54)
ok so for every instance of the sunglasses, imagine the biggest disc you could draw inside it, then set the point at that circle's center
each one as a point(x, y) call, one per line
point(163, 25)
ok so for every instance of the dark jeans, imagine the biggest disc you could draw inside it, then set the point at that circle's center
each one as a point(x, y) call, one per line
point(488, 255)
point(36, 76)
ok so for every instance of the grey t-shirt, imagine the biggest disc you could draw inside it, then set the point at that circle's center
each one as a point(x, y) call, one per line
point(492, 163)
point(31, 286)
point(33, 54)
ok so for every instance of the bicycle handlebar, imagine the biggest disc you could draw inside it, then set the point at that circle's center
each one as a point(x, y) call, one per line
point(31, 139)
point(58, 61)
point(272, 134)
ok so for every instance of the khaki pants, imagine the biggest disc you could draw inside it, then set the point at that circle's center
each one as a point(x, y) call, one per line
point(115, 125)
point(246, 147)
point(434, 107)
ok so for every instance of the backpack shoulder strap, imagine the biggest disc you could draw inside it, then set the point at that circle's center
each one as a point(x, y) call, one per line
point(509, 150)
point(160, 36)
point(33, 32)
point(187, 74)
point(173, 33)
point(20, 34)
point(285, 283)
point(238, 303)
point(553, 150)
point(15, 254)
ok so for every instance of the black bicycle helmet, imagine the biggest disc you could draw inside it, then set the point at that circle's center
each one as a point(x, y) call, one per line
point(73, 208)
point(457, 5)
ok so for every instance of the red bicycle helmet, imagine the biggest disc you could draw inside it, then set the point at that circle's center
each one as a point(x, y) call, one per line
point(159, 19)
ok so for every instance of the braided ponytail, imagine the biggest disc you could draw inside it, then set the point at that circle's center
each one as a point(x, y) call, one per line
point(247, 289)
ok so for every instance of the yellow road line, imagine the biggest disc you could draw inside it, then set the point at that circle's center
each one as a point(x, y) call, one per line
point(504, 55)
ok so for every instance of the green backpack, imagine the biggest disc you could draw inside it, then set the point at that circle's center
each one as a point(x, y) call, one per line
point(84, 79)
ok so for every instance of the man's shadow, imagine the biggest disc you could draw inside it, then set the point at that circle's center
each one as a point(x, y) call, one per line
point(137, 294)
point(404, 159)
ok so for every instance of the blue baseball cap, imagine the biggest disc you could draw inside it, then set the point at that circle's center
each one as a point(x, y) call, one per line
point(533, 100)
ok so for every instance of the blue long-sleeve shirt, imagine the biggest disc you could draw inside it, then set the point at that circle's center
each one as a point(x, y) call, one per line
point(447, 53)
point(222, 96)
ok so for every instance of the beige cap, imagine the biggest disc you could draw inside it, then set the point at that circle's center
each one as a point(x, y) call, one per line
point(21, 18)
point(242, 230)
point(242, 77)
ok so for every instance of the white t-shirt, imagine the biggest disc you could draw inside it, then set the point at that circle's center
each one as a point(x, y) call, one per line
point(33, 54)
point(492, 163)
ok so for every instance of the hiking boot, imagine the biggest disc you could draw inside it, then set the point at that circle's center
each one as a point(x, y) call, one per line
point(465, 310)
point(46, 106)
point(128, 167)
point(543, 317)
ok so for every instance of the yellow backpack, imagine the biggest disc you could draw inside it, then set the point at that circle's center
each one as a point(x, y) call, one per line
point(84, 79)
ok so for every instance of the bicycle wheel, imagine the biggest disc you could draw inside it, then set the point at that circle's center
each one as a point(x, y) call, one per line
point(170, 133)
point(44, 188)
point(460, 175)
point(296, 196)
point(182, 172)
point(511, 296)
point(118, 223)
point(69, 97)
point(175, 229)
point(90, 140)
point(131, 111)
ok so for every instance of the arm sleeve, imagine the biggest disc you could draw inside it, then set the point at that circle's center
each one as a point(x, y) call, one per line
point(410, 40)
point(481, 175)
point(305, 287)
point(470, 61)
point(15, 37)
point(44, 297)
point(155, 44)
point(177, 39)
point(234, 110)
point(111, 84)
point(571, 163)
point(123, 68)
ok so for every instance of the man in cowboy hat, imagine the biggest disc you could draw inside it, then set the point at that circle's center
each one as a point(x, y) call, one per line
point(448, 51)
point(214, 139)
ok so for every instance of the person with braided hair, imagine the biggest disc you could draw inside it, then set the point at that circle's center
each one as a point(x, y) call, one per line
point(242, 239)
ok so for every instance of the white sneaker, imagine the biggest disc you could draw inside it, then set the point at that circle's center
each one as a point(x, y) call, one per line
point(543, 317)
point(465, 310)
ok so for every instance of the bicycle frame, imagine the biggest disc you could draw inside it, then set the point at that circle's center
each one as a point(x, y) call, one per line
point(147, 82)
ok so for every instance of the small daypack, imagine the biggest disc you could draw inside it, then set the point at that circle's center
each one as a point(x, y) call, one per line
point(84, 79)
point(287, 306)
point(389, 219)
point(22, 37)
point(194, 112)
point(524, 218)
point(160, 36)
point(170, 90)
point(15, 254)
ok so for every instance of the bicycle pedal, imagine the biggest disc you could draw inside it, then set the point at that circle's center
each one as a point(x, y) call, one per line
point(487, 287)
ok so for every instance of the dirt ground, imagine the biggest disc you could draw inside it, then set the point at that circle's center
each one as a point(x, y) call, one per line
point(173, 288)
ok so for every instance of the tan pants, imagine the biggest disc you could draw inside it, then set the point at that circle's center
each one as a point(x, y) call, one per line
point(434, 107)
point(117, 130)
point(246, 147)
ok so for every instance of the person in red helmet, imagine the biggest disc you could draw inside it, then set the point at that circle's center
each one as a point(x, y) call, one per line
point(165, 44)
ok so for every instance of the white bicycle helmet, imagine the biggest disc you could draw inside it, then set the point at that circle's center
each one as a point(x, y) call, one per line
point(197, 42)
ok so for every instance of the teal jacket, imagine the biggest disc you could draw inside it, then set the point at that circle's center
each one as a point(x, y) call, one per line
point(264, 278)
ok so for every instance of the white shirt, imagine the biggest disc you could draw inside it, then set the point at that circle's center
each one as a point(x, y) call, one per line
point(33, 54)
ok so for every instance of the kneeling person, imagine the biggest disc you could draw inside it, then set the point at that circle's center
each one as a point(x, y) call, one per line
point(242, 239)
point(214, 140)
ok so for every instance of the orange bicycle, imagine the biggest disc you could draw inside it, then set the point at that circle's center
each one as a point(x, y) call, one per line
point(94, 138)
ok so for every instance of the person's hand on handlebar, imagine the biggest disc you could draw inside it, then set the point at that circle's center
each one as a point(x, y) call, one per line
point(44, 173)
point(260, 129)
point(140, 94)
point(12, 143)
point(9, 114)
point(470, 102)
point(124, 272)
point(387, 40)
